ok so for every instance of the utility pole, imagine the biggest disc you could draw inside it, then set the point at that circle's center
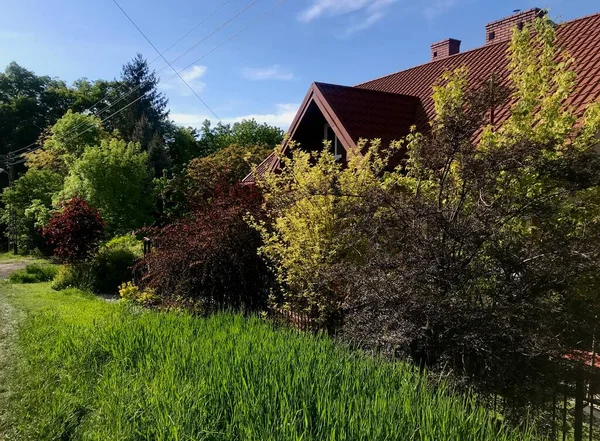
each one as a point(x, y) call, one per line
point(12, 228)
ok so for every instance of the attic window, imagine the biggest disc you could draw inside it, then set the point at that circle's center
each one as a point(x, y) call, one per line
point(435, 54)
point(336, 147)
point(491, 36)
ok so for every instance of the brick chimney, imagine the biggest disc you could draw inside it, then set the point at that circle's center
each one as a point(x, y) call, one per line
point(501, 30)
point(445, 48)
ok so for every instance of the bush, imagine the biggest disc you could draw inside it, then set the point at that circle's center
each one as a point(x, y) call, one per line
point(132, 293)
point(209, 260)
point(106, 271)
point(75, 230)
point(113, 264)
point(35, 273)
point(74, 276)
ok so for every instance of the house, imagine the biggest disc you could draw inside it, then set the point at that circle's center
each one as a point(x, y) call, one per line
point(387, 107)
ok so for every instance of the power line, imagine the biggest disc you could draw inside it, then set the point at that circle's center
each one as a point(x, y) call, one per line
point(165, 60)
point(125, 94)
point(236, 34)
point(219, 28)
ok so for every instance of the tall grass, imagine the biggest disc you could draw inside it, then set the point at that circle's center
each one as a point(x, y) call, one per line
point(149, 376)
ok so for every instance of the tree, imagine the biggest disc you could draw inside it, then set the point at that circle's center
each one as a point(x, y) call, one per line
point(314, 208)
point(29, 200)
point(480, 254)
point(148, 114)
point(28, 104)
point(182, 147)
point(225, 167)
point(115, 178)
point(243, 134)
point(75, 231)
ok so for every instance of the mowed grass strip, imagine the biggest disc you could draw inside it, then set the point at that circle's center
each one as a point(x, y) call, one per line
point(117, 373)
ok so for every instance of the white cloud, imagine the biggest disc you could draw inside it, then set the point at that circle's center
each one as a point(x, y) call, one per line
point(274, 72)
point(370, 12)
point(192, 76)
point(281, 117)
point(366, 23)
point(439, 7)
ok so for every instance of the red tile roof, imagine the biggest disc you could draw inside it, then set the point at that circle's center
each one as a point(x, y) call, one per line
point(580, 37)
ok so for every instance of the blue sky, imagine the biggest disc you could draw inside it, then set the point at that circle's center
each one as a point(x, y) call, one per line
point(263, 73)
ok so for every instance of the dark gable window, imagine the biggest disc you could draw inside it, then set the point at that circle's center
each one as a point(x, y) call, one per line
point(491, 36)
point(434, 54)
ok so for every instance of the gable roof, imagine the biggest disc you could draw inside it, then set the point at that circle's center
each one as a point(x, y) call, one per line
point(353, 114)
point(381, 108)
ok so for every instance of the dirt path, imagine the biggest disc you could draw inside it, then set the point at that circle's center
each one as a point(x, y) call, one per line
point(8, 327)
point(7, 268)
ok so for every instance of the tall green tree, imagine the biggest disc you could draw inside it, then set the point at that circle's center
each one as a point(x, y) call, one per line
point(28, 104)
point(29, 201)
point(148, 115)
point(115, 178)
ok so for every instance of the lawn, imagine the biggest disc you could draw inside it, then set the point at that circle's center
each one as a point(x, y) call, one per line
point(92, 370)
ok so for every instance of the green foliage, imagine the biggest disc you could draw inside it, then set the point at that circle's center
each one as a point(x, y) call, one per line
point(78, 276)
point(311, 202)
point(225, 167)
point(30, 199)
point(34, 273)
point(113, 264)
point(148, 114)
point(113, 177)
point(28, 103)
point(255, 383)
point(244, 134)
point(183, 147)
point(71, 134)
point(110, 267)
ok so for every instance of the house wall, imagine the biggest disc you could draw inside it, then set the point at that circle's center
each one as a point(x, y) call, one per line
point(311, 130)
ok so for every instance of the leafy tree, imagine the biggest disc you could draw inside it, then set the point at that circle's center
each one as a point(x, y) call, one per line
point(73, 133)
point(225, 167)
point(29, 201)
point(28, 104)
point(115, 178)
point(75, 231)
point(480, 255)
point(66, 141)
point(158, 156)
point(244, 134)
point(182, 147)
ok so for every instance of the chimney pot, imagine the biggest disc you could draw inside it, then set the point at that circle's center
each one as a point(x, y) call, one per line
point(445, 48)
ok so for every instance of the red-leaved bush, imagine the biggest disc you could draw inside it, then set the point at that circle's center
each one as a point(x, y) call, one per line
point(74, 230)
point(209, 260)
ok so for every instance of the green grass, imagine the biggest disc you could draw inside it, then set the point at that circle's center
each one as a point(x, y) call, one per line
point(9, 257)
point(35, 273)
point(91, 370)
